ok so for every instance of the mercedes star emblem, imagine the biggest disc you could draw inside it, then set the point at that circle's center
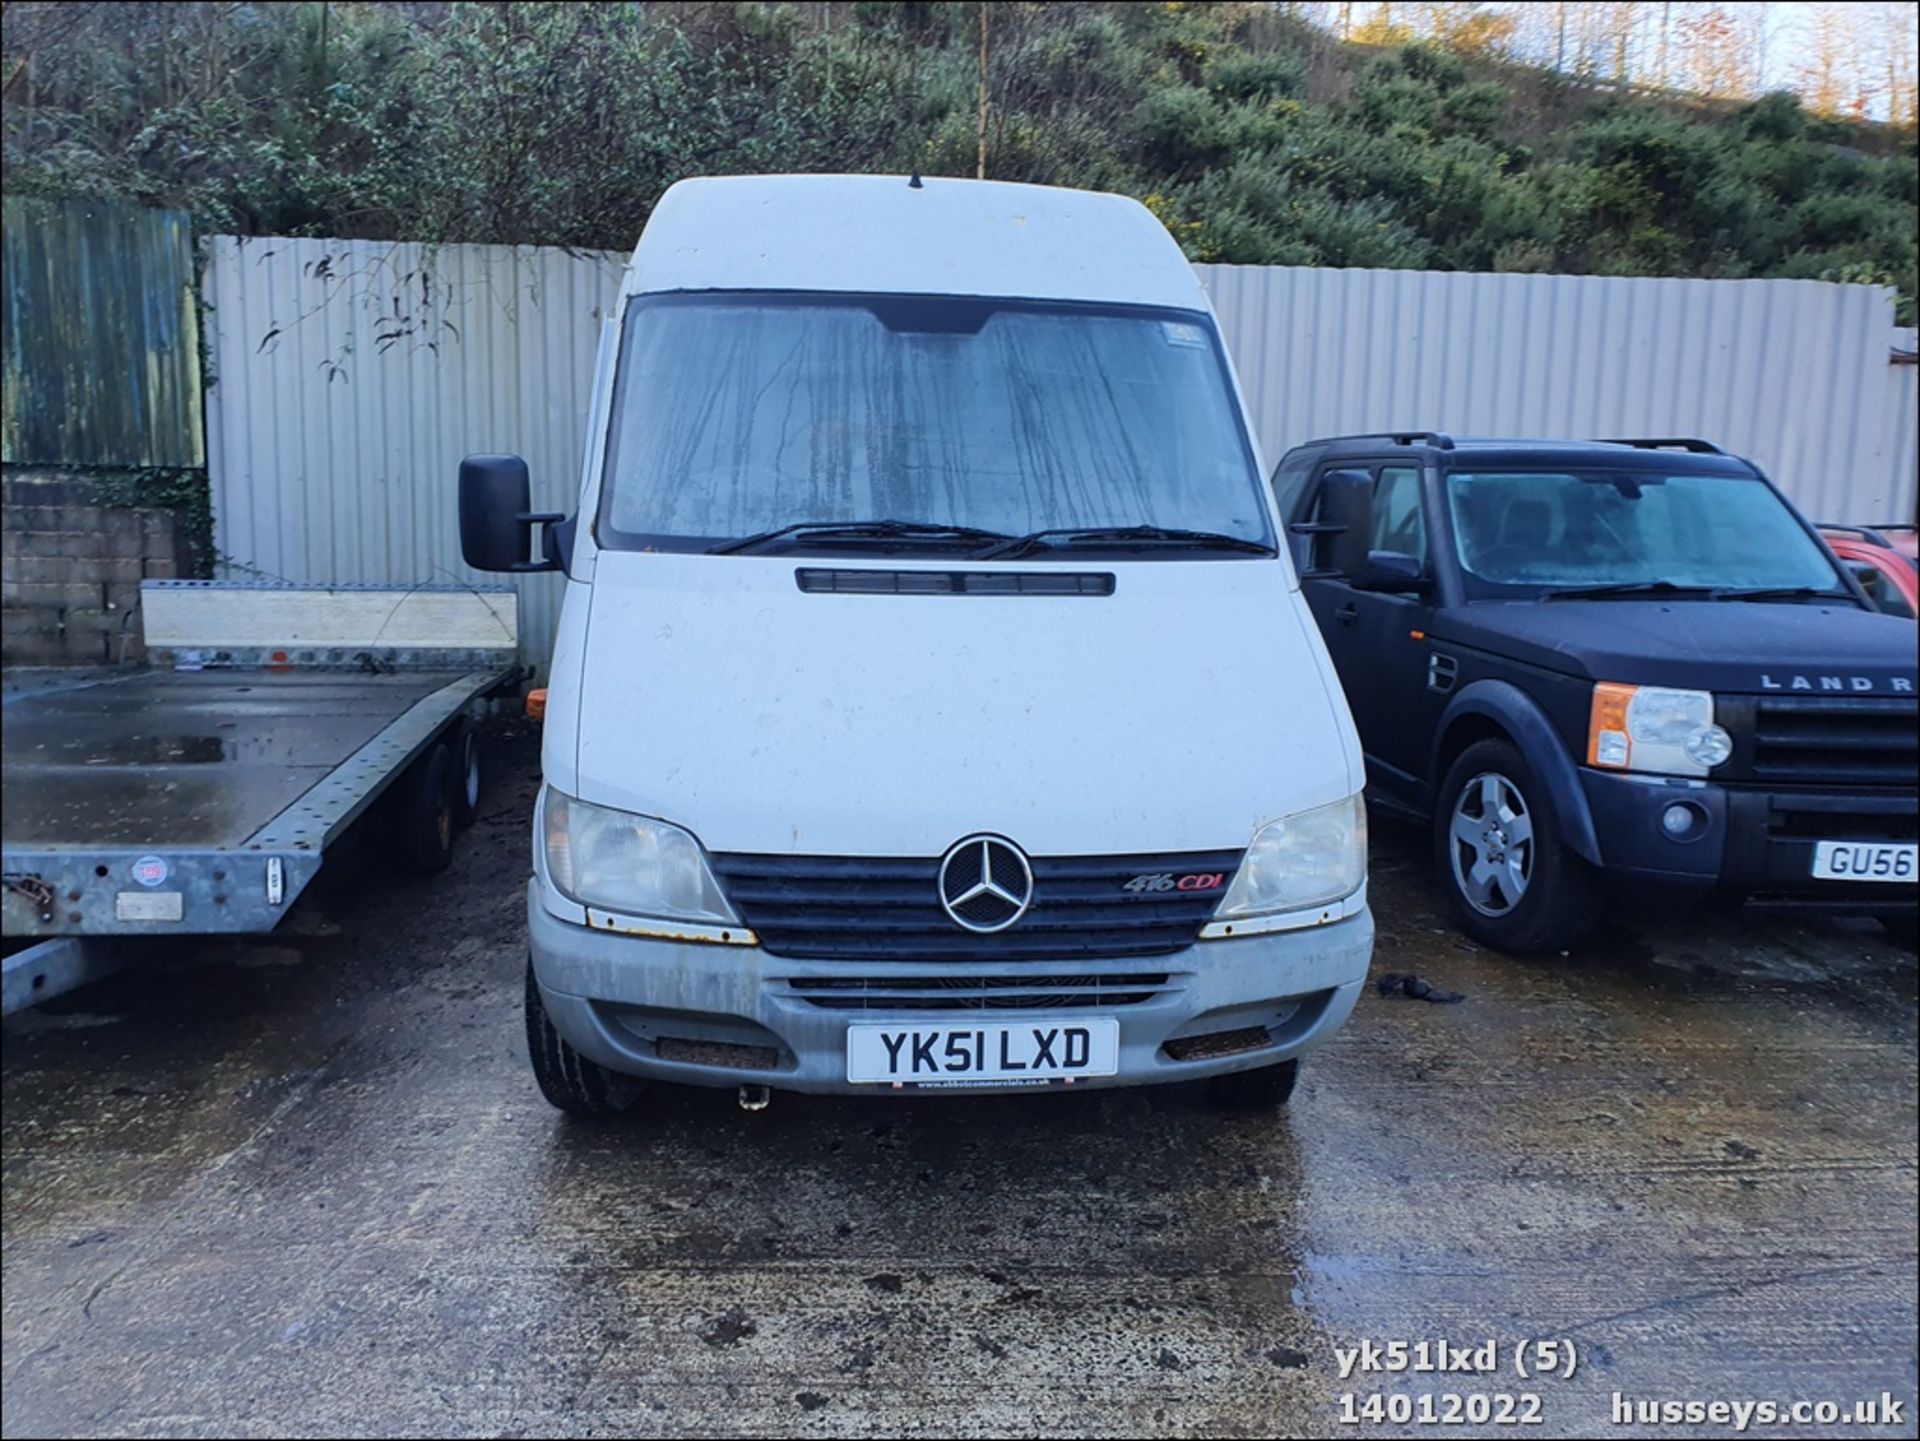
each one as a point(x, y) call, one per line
point(985, 883)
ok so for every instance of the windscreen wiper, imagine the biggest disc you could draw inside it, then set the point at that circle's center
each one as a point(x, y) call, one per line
point(1121, 535)
point(856, 530)
point(1781, 592)
point(1628, 588)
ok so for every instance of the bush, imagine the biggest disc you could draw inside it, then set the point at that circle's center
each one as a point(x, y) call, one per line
point(1258, 137)
point(1778, 116)
point(1179, 127)
point(1255, 75)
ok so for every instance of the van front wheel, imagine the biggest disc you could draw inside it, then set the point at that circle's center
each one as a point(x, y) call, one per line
point(1265, 1088)
point(1513, 884)
point(568, 1080)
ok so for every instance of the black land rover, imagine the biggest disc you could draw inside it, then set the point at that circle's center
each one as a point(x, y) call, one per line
point(1609, 663)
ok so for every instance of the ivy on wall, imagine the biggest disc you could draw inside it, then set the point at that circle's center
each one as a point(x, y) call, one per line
point(184, 492)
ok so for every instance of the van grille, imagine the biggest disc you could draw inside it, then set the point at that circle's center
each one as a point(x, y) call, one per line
point(976, 993)
point(888, 908)
point(1836, 739)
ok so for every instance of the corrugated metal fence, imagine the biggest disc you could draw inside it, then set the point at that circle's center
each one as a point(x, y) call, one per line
point(1790, 373)
point(350, 377)
point(354, 375)
point(97, 291)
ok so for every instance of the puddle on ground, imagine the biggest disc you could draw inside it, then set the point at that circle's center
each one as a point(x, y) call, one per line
point(181, 750)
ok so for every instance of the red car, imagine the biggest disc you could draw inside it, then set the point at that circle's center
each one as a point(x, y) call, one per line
point(1883, 564)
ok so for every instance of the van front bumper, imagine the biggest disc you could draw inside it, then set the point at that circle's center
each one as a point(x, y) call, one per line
point(719, 1015)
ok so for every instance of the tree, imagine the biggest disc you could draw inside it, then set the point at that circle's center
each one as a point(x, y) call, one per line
point(1898, 35)
point(1485, 31)
point(1382, 27)
point(1716, 51)
point(1830, 76)
point(1604, 39)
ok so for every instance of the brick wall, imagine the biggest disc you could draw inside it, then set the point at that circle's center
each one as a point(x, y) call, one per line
point(71, 568)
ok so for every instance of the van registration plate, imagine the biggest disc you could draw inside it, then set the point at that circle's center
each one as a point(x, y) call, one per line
point(971, 1053)
point(1866, 861)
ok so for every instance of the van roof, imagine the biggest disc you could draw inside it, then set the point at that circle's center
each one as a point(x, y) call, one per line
point(878, 234)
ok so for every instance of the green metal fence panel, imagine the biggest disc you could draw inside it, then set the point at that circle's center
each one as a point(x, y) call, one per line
point(102, 362)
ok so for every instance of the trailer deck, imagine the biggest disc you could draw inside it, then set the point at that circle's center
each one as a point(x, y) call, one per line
point(200, 800)
point(193, 758)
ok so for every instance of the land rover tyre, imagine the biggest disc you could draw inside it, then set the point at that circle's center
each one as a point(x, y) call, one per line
point(426, 811)
point(1265, 1088)
point(568, 1080)
point(467, 774)
point(1513, 883)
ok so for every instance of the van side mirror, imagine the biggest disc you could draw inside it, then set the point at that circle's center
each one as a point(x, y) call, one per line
point(497, 518)
point(1346, 522)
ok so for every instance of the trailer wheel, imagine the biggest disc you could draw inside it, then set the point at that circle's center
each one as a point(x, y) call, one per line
point(426, 812)
point(568, 1080)
point(1265, 1088)
point(467, 774)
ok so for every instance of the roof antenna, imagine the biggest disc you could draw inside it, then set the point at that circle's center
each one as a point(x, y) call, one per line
point(914, 184)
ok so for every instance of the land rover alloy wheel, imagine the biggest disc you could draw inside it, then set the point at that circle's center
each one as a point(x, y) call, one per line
point(1513, 884)
point(1491, 843)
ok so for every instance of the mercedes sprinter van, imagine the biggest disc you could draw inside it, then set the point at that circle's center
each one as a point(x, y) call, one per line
point(933, 704)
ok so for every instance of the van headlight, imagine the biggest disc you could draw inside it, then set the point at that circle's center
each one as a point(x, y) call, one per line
point(1299, 861)
point(1655, 729)
point(628, 863)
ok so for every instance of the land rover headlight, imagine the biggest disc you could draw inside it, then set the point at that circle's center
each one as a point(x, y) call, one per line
point(628, 863)
point(1655, 729)
point(1299, 861)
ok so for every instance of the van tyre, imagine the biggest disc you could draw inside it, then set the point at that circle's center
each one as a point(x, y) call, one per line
point(1512, 882)
point(426, 812)
point(568, 1080)
point(1265, 1088)
point(468, 774)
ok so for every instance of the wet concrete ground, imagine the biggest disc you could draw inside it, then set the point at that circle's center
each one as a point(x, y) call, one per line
point(307, 1186)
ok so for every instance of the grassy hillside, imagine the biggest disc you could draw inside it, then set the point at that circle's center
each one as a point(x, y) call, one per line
point(1256, 138)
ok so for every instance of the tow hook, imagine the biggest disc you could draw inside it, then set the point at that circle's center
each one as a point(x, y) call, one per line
point(754, 1098)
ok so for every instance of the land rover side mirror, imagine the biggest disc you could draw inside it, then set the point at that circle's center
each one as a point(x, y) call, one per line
point(1392, 570)
point(1345, 524)
point(497, 518)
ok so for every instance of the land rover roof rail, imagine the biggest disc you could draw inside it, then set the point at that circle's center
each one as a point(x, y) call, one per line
point(1669, 442)
point(1438, 439)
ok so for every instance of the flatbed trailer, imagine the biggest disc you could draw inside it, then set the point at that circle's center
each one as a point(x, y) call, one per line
point(199, 796)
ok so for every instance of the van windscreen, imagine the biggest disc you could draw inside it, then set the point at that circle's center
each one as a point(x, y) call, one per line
point(738, 414)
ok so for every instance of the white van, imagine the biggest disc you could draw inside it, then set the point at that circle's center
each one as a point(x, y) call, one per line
point(933, 703)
